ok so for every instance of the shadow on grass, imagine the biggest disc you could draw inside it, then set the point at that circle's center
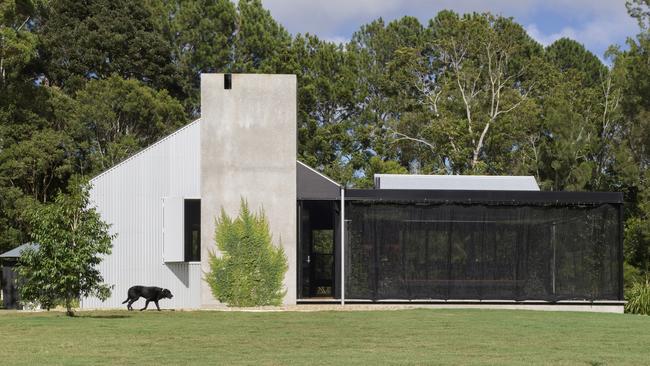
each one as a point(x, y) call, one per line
point(121, 315)
point(103, 316)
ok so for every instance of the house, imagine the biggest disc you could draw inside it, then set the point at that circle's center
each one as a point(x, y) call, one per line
point(479, 241)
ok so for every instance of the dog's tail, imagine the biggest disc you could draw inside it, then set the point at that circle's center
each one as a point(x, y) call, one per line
point(125, 301)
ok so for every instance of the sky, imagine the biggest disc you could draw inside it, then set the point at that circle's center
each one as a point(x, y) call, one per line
point(596, 24)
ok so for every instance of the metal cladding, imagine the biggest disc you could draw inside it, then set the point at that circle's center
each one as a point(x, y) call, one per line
point(130, 197)
point(456, 182)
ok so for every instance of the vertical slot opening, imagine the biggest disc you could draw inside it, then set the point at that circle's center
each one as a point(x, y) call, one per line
point(227, 81)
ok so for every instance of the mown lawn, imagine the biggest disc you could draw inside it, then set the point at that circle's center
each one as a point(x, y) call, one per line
point(466, 337)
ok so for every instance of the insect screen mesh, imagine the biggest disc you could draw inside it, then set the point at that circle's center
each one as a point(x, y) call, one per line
point(482, 252)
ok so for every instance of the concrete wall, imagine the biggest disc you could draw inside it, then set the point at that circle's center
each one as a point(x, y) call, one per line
point(248, 149)
point(130, 196)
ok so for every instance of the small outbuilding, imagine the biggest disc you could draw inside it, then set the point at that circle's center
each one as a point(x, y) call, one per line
point(8, 261)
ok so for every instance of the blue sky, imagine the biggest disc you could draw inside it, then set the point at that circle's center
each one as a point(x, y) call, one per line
point(594, 23)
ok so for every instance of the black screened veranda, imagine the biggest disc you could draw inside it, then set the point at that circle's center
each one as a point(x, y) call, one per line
point(536, 246)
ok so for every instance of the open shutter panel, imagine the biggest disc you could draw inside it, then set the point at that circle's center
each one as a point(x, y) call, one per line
point(173, 222)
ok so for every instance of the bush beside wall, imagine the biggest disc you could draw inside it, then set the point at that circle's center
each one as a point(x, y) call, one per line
point(638, 299)
point(249, 270)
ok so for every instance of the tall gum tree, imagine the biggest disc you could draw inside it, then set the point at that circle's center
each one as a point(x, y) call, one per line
point(472, 76)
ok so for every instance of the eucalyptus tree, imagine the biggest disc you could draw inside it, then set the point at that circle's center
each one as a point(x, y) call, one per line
point(472, 77)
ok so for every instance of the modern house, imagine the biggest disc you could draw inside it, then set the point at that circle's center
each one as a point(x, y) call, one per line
point(479, 241)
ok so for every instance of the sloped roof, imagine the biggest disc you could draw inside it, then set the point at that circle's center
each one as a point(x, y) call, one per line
point(144, 150)
point(16, 252)
point(313, 185)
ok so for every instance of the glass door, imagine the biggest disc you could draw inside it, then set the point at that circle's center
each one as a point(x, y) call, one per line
point(322, 263)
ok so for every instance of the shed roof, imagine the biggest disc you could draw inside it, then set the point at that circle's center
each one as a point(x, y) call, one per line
point(456, 182)
point(16, 252)
point(313, 185)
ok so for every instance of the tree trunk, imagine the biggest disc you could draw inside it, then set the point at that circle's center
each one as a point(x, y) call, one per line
point(68, 306)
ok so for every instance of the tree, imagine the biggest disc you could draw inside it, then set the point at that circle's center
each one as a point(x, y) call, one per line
point(201, 33)
point(260, 43)
point(37, 163)
point(378, 166)
point(568, 133)
point(640, 10)
point(250, 269)
point(631, 71)
point(469, 81)
point(381, 98)
point(17, 43)
point(37, 153)
point(567, 54)
point(117, 118)
point(72, 239)
point(219, 36)
point(94, 40)
point(325, 98)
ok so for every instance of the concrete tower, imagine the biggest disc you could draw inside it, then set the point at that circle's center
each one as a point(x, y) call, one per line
point(248, 150)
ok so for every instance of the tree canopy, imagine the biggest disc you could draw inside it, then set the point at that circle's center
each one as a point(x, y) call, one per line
point(71, 239)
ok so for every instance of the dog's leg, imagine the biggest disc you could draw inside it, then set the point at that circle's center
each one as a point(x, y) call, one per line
point(128, 306)
point(156, 302)
point(145, 306)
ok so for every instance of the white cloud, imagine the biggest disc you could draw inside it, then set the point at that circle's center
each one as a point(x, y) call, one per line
point(595, 23)
point(337, 39)
point(546, 39)
point(328, 17)
point(597, 33)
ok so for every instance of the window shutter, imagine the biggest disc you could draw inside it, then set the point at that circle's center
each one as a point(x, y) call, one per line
point(173, 222)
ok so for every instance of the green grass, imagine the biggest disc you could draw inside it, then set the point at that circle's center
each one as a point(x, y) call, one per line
point(467, 337)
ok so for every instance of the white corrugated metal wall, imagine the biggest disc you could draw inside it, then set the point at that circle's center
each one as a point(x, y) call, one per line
point(130, 198)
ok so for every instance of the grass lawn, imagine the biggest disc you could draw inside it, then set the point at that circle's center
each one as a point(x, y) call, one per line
point(467, 337)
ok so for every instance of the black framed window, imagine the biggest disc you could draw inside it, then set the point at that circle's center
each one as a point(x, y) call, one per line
point(192, 230)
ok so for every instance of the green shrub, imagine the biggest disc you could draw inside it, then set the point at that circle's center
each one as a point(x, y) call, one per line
point(631, 275)
point(638, 299)
point(250, 270)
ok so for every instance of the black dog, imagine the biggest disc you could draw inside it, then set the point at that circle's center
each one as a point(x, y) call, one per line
point(149, 293)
